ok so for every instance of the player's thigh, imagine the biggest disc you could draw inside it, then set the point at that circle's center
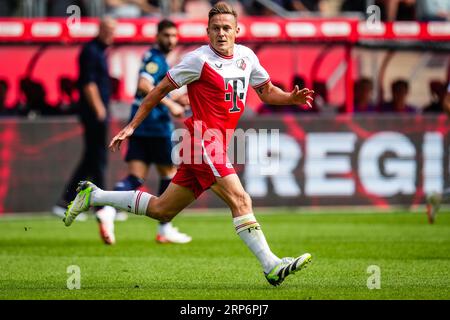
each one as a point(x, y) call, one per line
point(174, 199)
point(138, 168)
point(231, 191)
point(166, 170)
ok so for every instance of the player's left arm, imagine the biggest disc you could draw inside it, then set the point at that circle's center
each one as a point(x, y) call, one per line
point(273, 95)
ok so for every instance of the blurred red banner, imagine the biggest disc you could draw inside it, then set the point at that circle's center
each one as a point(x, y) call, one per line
point(259, 29)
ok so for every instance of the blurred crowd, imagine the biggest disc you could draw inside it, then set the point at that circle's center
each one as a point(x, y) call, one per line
point(33, 103)
point(390, 10)
point(366, 101)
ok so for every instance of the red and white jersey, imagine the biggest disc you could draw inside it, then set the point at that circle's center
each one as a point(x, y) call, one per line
point(217, 85)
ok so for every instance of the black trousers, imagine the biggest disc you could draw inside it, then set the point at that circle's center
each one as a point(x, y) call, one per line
point(93, 164)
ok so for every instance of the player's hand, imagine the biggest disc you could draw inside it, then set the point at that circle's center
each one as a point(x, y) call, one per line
point(177, 110)
point(120, 137)
point(303, 96)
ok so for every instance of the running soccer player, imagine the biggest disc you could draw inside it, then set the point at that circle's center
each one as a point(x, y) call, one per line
point(217, 78)
point(151, 141)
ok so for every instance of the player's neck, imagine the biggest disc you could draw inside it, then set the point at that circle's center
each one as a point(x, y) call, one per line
point(158, 47)
point(223, 53)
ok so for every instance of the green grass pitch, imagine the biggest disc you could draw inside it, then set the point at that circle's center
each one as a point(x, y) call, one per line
point(413, 257)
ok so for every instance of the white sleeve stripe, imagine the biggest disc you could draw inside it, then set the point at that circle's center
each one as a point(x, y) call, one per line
point(147, 76)
point(171, 80)
point(261, 84)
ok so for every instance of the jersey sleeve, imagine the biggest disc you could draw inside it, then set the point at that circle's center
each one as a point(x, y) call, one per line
point(259, 75)
point(187, 71)
point(151, 68)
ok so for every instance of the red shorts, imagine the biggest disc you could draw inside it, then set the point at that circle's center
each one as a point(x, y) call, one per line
point(199, 175)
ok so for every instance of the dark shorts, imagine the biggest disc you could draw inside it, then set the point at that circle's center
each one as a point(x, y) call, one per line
point(157, 150)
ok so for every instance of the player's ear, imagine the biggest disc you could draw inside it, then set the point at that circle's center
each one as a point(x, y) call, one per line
point(238, 29)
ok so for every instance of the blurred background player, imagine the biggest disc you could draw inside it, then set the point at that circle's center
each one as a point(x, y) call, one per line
point(435, 199)
point(218, 76)
point(95, 92)
point(151, 142)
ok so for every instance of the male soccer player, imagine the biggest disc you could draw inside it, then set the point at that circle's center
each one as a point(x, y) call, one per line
point(217, 77)
point(435, 199)
point(151, 141)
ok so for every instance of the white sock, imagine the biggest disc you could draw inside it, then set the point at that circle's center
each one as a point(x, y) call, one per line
point(250, 232)
point(163, 227)
point(131, 201)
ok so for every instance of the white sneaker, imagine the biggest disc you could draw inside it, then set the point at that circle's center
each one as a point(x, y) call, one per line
point(105, 218)
point(121, 216)
point(172, 235)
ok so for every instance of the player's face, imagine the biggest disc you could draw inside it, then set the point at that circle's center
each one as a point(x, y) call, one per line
point(222, 31)
point(168, 39)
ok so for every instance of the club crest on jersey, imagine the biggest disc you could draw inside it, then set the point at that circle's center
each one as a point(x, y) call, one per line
point(241, 64)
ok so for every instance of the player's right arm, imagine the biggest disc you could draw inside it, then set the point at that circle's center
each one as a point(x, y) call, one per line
point(152, 99)
point(145, 86)
point(187, 71)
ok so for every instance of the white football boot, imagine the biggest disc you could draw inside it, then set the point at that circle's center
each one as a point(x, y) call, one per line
point(105, 218)
point(169, 234)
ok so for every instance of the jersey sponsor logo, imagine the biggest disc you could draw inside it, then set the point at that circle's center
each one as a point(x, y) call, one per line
point(241, 64)
point(218, 66)
point(232, 96)
point(151, 67)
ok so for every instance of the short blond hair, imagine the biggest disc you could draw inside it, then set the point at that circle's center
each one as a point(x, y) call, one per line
point(221, 8)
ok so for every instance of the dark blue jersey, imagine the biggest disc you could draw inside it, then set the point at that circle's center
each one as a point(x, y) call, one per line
point(158, 123)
